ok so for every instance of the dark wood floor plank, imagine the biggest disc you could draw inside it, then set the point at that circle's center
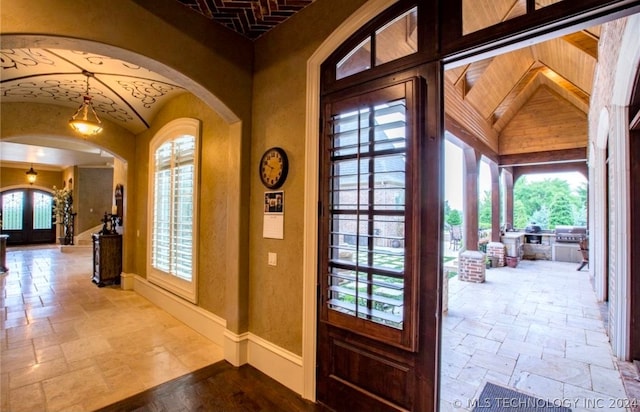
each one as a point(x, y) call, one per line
point(218, 387)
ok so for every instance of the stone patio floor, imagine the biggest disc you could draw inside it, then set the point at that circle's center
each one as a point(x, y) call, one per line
point(536, 328)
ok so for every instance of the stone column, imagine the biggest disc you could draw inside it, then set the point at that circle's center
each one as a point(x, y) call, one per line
point(471, 266)
point(497, 249)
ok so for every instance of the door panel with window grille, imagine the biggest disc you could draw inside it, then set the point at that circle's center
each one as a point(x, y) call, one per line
point(366, 191)
point(369, 286)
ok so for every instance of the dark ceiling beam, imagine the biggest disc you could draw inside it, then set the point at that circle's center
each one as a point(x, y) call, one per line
point(540, 25)
point(580, 167)
point(550, 157)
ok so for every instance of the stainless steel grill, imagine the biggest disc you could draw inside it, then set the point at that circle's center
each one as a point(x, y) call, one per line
point(570, 234)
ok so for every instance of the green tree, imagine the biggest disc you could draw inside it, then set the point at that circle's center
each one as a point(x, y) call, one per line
point(582, 193)
point(454, 218)
point(541, 217)
point(520, 216)
point(484, 211)
point(580, 216)
point(536, 196)
point(561, 212)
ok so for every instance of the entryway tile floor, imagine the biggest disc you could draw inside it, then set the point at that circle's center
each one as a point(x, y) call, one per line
point(537, 329)
point(67, 345)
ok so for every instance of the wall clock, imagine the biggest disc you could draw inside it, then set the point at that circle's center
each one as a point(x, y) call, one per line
point(274, 167)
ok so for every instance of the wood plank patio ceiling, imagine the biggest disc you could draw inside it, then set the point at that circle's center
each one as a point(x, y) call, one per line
point(546, 86)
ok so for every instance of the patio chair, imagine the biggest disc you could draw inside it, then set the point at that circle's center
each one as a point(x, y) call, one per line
point(455, 237)
point(583, 247)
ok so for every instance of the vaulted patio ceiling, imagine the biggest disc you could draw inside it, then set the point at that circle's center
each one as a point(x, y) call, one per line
point(530, 100)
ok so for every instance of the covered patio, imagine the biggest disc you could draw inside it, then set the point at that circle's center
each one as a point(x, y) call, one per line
point(538, 329)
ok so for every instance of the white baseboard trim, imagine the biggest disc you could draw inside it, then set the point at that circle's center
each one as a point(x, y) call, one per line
point(276, 362)
point(200, 320)
point(236, 348)
point(272, 360)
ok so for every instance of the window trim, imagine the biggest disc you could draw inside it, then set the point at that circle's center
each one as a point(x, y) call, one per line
point(185, 289)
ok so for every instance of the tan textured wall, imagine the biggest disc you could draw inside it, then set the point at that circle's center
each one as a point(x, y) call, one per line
point(212, 256)
point(93, 196)
point(12, 176)
point(279, 107)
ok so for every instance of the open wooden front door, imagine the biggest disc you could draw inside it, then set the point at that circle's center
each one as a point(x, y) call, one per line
point(379, 244)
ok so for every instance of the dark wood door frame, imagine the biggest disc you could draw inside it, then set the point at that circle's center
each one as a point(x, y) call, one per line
point(457, 51)
point(361, 370)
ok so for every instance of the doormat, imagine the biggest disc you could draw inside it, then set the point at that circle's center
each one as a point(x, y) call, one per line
point(494, 398)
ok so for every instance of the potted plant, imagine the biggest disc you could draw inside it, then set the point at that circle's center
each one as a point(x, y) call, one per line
point(63, 213)
point(512, 261)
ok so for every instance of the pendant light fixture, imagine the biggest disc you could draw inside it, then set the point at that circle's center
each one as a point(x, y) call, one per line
point(86, 121)
point(31, 175)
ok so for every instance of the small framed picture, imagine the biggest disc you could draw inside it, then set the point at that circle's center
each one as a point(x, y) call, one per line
point(274, 202)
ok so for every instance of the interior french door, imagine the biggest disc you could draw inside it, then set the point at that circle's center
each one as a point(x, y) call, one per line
point(377, 329)
point(27, 216)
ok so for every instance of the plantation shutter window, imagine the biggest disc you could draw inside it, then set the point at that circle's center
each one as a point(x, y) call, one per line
point(174, 209)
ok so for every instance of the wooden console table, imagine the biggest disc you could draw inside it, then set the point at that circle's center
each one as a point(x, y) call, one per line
point(107, 259)
point(3, 254)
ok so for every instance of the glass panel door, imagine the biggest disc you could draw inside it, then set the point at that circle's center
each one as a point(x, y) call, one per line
point(27, 216)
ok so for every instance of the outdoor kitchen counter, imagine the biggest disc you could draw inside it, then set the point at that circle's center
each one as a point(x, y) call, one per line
point(513, 242)
point(539, 246)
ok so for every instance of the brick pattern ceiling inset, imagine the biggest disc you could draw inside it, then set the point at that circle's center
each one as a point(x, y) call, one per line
point(251, 18)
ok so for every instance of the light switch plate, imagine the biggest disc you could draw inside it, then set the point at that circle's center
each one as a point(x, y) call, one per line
point(273, 259)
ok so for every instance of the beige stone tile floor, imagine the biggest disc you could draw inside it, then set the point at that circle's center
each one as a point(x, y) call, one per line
point(536, 328)
point(67, 345)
